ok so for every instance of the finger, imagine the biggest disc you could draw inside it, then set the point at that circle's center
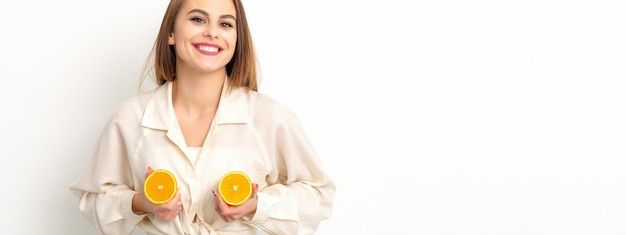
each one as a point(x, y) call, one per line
point(255, 189)
point(175, 206)
point(165, 215)
point(217, 204)
point(177, 211)
point(173, 213)
point(177, 196)
point(174, 203)
point(218, 201)
point(168, 217)
point(150, 170)
point(219, 213)
point(172, 216)
point(219, 207)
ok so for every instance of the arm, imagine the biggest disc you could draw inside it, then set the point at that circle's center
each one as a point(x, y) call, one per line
point(299, 194)
point(105, 188)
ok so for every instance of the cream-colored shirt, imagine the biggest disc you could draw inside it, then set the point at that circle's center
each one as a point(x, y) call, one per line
point(250, 132)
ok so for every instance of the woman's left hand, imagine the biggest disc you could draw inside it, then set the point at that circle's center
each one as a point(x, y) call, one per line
point(231, 213)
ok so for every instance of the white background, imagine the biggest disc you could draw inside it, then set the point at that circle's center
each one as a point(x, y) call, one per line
point(433, 117)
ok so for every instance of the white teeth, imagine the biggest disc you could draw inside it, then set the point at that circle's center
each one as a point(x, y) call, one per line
point(208, 48)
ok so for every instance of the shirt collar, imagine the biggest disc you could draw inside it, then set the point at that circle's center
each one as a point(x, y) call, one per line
point(159, 112)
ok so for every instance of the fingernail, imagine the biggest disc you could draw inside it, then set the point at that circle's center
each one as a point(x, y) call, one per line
point(215, 195)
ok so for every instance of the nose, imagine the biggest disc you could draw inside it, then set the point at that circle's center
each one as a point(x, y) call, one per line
point(211, 32)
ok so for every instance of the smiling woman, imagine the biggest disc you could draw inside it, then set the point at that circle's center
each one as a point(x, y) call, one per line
point(204, 119)
point(504, 117)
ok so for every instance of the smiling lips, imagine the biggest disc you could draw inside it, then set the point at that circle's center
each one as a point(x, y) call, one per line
point(208, 49)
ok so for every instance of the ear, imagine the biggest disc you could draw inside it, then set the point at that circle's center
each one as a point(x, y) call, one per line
point(170, 40)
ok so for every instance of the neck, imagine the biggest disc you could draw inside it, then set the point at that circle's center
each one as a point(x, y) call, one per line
point(197, 95)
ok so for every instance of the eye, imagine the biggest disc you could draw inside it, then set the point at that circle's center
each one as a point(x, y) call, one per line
point(226, 25)
point(198, 19)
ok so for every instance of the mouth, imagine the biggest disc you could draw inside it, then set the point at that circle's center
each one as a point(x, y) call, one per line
point(208, 48)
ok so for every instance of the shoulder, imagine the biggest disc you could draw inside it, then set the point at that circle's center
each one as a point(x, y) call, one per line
point(260, 100)
point(267, 109)
point(131, 109)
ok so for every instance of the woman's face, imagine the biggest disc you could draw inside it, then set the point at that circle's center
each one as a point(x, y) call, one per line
point(205, 35)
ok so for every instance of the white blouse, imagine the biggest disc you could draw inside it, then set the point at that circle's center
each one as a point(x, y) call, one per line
point(193, 153)
point(250, 132)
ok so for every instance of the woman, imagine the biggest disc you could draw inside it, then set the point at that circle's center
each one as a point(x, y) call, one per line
point(204, 119)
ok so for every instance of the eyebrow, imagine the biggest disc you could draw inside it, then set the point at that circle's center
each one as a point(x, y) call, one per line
point(206, 14)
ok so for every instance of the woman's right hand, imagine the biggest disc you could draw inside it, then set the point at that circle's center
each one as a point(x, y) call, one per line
point(167, 211)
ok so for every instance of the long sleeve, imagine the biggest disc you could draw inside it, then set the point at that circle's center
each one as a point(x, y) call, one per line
point(252, 133)
point(105, 188)
point(300, 193)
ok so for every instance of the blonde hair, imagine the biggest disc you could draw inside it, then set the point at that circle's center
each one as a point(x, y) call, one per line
point(241, 70)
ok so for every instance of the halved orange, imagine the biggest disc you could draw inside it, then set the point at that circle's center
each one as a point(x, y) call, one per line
point(235, 188)
point(160, 186)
